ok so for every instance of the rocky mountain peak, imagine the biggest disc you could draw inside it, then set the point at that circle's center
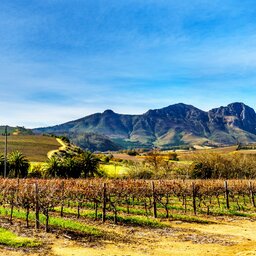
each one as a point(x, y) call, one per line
point(178, 124)
point(108, 112)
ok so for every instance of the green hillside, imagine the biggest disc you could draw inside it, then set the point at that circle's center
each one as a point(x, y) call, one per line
point(18, 130)
point(34, 147)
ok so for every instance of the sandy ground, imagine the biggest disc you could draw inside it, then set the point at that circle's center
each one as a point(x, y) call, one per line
point(229, 237)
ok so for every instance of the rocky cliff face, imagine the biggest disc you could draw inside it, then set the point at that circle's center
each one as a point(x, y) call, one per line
point(177, 124)
point(235, 115)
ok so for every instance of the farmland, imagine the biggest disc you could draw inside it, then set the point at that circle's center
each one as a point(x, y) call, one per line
point(34, 147)
point(132, 217)
point(114, 216)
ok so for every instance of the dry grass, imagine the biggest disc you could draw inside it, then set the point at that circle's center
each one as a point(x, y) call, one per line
point(125, 156)
point(185, 154)
point(34, 147)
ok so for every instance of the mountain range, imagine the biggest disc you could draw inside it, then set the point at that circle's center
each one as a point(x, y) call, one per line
point(175, 125)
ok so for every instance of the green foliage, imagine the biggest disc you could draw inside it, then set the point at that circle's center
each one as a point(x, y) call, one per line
point(70, 168)
point(17, 165)
point(107, 158)
point(10, 239)
point(113, 170)
point(74, 225)
point(81, 165)
point(53, 168)
point(220, 166)
point(139, 171)
point(36, 171)
point(55, 222)
point(202, 171)
point(126, 219)
point(88, 164)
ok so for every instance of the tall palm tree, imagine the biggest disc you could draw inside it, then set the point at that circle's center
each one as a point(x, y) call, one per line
point(53, 167)
point(72, 167)
point(88, 163)
point(18, 165)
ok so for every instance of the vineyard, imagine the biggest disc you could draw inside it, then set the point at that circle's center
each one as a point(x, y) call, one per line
point(40, 201)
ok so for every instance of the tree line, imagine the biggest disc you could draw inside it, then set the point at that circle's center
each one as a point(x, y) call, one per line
point(82, 165)
point(155, 166)
point(205, 165)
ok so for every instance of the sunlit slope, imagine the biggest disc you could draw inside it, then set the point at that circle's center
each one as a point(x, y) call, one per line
point(34, 147)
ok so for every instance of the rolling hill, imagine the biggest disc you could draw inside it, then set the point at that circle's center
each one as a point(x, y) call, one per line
point(177, 124)
point(34, 147)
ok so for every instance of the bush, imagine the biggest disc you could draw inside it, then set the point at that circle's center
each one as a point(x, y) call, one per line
point(220, 166)
point(36, 171)
point(132, 153)
point(140, 174)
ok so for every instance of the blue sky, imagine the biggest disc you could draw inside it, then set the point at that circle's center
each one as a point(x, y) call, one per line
point(62, 59)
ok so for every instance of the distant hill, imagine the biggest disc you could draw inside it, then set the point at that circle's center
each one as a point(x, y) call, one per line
point(93, 142)
point(175, 125)
point(16, 130)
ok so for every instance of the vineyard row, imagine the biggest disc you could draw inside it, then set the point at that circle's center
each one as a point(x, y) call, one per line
point(158, 197)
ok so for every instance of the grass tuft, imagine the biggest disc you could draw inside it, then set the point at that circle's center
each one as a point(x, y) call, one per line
point(8, 238)
point(56, 222)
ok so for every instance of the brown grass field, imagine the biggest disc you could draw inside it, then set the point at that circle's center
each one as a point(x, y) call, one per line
point(186, 154)
point(34, 147)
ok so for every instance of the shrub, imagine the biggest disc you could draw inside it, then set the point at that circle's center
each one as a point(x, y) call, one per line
point(36, 171)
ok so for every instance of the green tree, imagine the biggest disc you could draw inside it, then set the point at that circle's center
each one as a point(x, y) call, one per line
point(1, 165)
point(18, 165)
point(72, 168)
point(53, 168)
point(88, 164)
point(36, 171)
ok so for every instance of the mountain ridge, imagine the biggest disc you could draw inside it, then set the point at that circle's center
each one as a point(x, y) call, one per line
point(177, 124)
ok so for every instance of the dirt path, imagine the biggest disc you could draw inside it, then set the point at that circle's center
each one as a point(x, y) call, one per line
point(229, 237)
point(62, 147)
point(236, 238)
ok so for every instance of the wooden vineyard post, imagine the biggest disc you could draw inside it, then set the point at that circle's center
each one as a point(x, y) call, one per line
point(37, 224)
point(226, 193)
point(96, 209)
point(194, 197)
point(251, 194)
point(104, 202)
point(62, 198)
point(47, 220)
point(154, 199)
point(184, 202)
point(12, 206)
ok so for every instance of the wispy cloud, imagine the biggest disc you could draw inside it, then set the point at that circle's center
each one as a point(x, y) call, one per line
point(72, 58)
